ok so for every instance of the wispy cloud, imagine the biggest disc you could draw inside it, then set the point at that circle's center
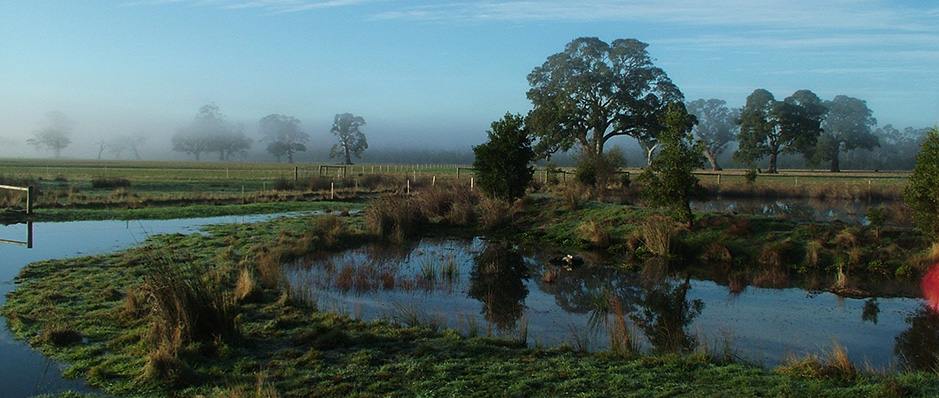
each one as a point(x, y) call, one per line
point(269, 6)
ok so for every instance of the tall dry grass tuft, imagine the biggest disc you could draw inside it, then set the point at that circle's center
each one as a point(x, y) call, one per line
point(393, 218)
point(835, 365)
point(269, 263)
point(246, 287)
point(187, 306)
point(329, 229)
point(495, 213)
point(658, 231)
point(598, 236)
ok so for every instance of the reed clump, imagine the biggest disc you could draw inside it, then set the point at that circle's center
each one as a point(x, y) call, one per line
point(495, 213)
point(187, 307)
point(596, 235)
point(834, 365)
point(394, 218)
point(658, 233)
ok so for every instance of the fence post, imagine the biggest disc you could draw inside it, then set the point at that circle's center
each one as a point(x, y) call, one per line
point(409, 187)
point(29, 200)
point(472, 182)
point(332, 191)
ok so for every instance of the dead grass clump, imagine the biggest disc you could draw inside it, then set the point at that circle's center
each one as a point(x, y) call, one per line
point(834, 366)
point(494, 213)
point(185, 306)
point(779, 254)
point(329, 229)
point(717, 253)
point(269, 264)
point(393, 218)
point(598, 236)
point(738, 226)
point(572, 196)
point(846, 238)
point(658, 231)
point(462, 213)
point(246, 287)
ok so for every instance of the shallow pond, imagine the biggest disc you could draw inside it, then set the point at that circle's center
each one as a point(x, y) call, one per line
point(485, 288)
point(24, 371)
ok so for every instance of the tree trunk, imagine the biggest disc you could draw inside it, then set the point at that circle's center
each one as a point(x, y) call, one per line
point(348, 157)
point(649, 153)
point(772, 163)
point(835, 165)
point(713, 161)
point(289, 157)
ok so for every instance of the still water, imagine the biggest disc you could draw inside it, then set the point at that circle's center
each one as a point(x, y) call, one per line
point(23, 371)
point(494, 288)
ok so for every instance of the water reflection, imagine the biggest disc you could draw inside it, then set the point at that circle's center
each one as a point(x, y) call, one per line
point(497, 280)
point(664, 313)
point(509, 287)
point(871, 310)
point(918, 346)
point(26, 241)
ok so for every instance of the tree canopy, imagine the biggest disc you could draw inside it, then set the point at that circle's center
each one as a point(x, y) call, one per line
point(283, 135)
point(351, 139)
point(210, 132)
point(769, 127)
point(715, 128)
point(503, 164)
point(593, 91)
point(55, 135)
point(846, 127)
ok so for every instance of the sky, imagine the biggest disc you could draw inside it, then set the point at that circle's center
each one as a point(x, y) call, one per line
point(428, 74)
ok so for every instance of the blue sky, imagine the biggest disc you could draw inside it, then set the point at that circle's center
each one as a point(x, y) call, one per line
point(429, 74)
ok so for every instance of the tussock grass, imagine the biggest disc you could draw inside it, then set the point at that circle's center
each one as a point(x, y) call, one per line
point(495, 213)
point(658, 232)
point(834, 365)
point(393, 218)
point(598, 236)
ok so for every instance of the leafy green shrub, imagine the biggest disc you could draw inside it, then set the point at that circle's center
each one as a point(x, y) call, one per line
point(922, 193)
point(503, 164)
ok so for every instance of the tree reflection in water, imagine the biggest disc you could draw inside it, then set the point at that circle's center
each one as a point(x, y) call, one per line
point(918, 346)
point(664, 313)
point(497, 280)
point(870, 311)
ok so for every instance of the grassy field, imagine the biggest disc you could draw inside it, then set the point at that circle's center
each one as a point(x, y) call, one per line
point(91, 184)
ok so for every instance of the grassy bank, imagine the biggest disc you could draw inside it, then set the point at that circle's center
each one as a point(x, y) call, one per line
point(127, 322)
